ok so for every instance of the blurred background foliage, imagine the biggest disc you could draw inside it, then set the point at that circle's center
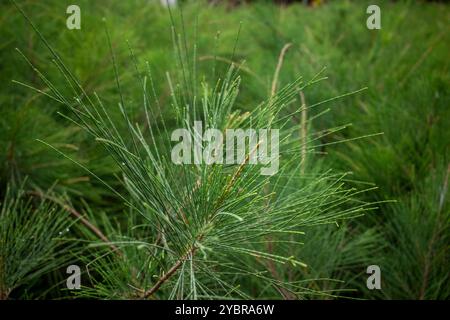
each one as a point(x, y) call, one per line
point(405, 67)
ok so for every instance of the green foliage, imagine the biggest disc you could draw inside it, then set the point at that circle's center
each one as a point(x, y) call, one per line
point(229, 231)
point(208, 216)
point(418, 228)
point(30, 242)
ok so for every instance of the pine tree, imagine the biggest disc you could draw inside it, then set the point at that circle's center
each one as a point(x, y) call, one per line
point(203, 231)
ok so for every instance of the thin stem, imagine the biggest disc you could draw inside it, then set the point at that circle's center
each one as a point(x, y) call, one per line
point(303, 132)
point(170, 272)
point(273, 91)
point(430, 253)
point(79, 216)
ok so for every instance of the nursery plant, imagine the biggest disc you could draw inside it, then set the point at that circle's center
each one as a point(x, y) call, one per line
point(202, 231)
point(90, 129)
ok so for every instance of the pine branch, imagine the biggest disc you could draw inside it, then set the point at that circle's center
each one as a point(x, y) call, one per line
point(190, 253)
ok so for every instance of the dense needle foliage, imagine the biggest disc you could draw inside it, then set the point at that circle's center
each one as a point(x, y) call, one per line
point(144, 227)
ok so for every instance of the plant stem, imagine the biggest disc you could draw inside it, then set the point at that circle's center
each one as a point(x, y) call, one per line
point(303, 132)
point(277, 70)
point(170, 272)
point(79, 216)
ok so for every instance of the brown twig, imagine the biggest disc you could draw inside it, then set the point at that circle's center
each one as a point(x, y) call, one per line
point(80, 217)
point(170, 272)
point(236, 176)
